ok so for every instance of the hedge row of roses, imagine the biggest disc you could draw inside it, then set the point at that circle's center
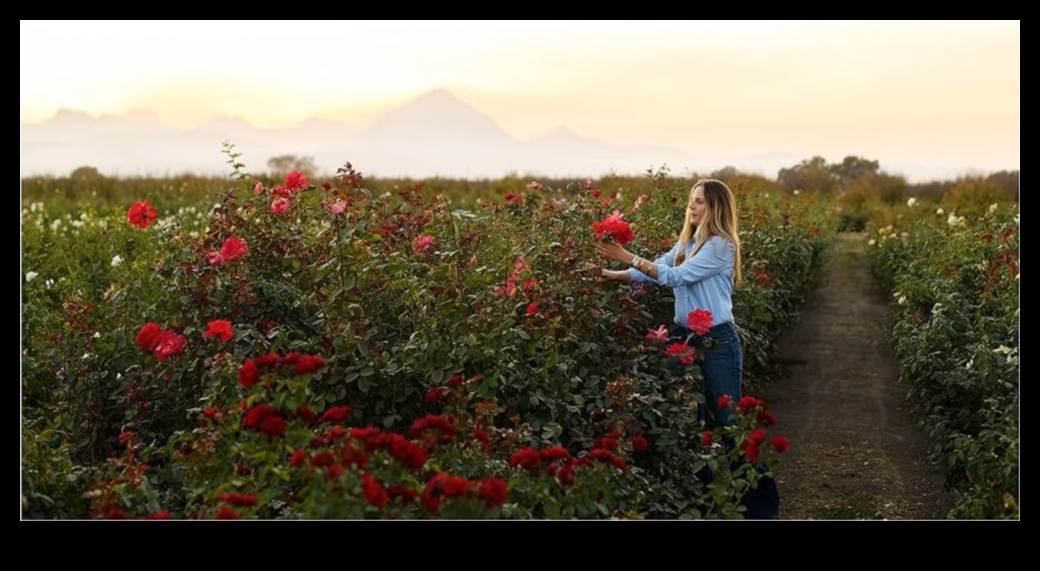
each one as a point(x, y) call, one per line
point(397, 295)
point(954, 282)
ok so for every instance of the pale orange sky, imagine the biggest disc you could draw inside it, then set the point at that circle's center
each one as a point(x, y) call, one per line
point(912, 91)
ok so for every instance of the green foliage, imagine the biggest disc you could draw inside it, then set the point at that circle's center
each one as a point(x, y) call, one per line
point(955, 286)
point(399, 288)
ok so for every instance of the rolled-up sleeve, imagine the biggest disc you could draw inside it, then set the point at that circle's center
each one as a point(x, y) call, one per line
point(666, 260)
point(713, 258)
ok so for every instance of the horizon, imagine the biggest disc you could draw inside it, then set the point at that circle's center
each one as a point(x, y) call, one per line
point(938, 96)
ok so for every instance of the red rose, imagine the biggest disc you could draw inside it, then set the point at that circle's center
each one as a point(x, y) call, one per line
point(170, 345)
point(374, 493)
point(639, 443)
point(781, 444)
point(237, 499)
point(614, 227)
point(148, 336)
point(233, 249)
point(248, 373)
point(700, 321)
point(706, 438)
point(724, 401)
point(273, 425)
point(336, 414)
point(296, 181)
point(220, 329)
point(141, 214)
point(494, 491)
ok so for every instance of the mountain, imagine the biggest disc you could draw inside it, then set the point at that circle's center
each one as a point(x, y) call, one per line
point(435, 134)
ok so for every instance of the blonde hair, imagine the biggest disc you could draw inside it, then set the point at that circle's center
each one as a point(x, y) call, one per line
point(720, 219)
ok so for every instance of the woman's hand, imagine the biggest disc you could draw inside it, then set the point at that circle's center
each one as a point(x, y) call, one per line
point(614, 251)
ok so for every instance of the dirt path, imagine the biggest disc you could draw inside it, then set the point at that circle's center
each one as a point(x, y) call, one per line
point(856, 451)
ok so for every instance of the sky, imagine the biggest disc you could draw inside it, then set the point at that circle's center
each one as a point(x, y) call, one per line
point(902, 92)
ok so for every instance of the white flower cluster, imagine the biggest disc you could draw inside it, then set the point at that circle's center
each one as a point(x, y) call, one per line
point(954, 220)
point(992, 208)
point(911, 202)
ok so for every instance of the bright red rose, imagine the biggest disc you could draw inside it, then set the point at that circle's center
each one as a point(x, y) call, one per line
point(757, 437)
point(233, 249)
point(170, 345)
point(700, 321)
point(613, 227)
point(220, 329)
point(781, 444)
point(532, 309)
point(296, 181)
point(141, 214)
point(148, 336)
point(706, 438)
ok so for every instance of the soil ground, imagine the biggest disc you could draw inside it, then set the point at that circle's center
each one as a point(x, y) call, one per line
point(856, 449)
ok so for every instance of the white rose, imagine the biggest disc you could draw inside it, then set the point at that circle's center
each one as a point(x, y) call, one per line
point(30, 276)
point(116, 260)
point(911, 202)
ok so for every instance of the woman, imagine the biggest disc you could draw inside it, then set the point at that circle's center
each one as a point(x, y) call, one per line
point(702, 268)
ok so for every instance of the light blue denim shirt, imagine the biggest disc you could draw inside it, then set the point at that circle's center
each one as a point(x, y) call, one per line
point(704, 281)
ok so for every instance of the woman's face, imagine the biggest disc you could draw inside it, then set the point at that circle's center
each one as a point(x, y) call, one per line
point(697, 208)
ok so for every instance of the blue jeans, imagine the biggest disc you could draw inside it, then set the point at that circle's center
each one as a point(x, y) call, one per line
point(722, 365)
point(722, 368)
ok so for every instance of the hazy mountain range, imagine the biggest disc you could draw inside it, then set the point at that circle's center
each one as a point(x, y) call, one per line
point(435, 134)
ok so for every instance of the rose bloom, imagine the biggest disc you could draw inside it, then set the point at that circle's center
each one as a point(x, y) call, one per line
point(221, 329)
point(170, 345)
point(280, 205)
point(296, 180)
point(422, 242)
point(141, 214)
point(639, 443)
point(148, 336)
point(532, 309)
point(613, 226)
point(336, 207)
point(700, 321)
point(659, 334)
point(494, 491)
point(233, 249)
point(781, 444)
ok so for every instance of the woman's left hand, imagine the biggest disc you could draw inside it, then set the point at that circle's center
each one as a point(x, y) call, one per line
point(614, 251)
